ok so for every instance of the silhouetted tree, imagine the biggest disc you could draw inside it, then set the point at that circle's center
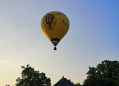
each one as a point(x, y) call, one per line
point(117, 81)
point(30, 77)
point(105, 74)
point(108, 69)
point(78, 84)
point(93, 81)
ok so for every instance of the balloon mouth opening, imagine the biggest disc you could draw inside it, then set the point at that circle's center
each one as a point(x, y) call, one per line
point(55, 41)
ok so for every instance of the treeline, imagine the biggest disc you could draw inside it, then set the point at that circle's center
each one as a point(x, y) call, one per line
point(104, 74)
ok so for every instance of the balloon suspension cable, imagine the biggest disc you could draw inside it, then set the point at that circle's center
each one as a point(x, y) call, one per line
point(55, 48)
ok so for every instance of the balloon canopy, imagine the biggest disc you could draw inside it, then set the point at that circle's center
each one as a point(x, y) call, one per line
point(55, 26)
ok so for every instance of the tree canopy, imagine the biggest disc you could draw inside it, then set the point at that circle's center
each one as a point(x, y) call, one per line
point(30, 77)
point(78, 84)
point(105, 74)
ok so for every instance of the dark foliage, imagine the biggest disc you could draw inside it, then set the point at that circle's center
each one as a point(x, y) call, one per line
point(30, 77)
point(105, 74)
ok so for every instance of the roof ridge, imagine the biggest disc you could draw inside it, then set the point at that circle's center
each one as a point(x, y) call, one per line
point(64, 82)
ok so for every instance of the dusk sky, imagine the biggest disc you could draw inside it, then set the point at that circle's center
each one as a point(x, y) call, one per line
point(93, 37)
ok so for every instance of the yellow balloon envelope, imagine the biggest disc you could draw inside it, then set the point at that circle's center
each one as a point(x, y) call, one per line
point(55, 25)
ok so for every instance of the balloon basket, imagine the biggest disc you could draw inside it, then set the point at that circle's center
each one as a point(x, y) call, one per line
point(55, 48)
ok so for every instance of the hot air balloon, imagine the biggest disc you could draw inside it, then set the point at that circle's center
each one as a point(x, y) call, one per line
point(55, 26)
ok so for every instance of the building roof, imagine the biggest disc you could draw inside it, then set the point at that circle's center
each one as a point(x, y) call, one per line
point(64, 82)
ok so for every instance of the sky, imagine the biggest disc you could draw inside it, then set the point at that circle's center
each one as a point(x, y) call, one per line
point(93, 37)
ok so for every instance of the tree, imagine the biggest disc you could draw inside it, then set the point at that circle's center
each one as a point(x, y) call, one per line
point(105, 74)
point(78, 84)
point(117, 81)
point(30, 77)
point(108, 69)
point(93, 81)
